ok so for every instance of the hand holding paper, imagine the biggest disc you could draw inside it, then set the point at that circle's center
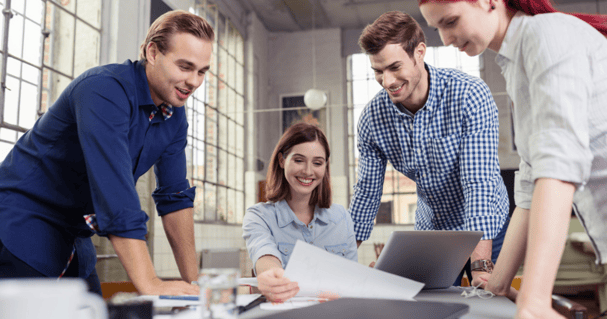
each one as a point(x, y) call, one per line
point(318, 271)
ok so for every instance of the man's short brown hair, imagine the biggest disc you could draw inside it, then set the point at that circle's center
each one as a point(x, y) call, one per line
point(172, 22)
point(392, 27)
point(277, 187)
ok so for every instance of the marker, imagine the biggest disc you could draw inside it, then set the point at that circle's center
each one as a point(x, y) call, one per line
point(195, 298)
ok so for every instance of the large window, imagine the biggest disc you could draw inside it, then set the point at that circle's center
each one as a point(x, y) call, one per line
point(216, 134)
point(42, 58)
point(399, 199)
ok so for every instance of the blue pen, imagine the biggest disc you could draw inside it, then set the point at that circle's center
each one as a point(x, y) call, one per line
point(196, 298)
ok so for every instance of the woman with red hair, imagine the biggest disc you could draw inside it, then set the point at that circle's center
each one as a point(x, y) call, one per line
point(555, 67)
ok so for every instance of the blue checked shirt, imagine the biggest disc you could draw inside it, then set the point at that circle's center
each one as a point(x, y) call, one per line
point(449, 148)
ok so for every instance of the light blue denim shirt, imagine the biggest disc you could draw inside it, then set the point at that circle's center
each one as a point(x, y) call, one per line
point(272, 229)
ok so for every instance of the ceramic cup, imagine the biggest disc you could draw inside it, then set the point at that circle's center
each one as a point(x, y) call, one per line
point(49, 298)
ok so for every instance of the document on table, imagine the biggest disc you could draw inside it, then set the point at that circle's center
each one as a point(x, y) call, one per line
point(317, 271)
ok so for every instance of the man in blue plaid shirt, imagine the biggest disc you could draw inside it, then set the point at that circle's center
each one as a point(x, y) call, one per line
point(439, 127)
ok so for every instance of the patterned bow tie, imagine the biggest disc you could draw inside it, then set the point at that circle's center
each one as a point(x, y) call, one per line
point(167, 111)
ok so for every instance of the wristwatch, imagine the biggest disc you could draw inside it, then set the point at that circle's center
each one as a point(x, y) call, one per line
point(482, 265)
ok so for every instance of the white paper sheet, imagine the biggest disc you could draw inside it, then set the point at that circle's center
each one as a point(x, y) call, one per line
point(293, 303)
point(317, 271)
point(248, 281)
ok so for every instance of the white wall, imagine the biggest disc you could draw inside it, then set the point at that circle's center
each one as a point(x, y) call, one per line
point(290, 72)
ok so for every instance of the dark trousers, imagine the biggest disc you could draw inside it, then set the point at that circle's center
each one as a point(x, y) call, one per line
point(498, 241)
point(13, 267)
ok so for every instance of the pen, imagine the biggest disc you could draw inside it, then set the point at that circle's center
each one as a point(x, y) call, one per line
point(252, 304)
point(196, 298)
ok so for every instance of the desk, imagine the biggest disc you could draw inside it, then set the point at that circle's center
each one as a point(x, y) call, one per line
point(494, 308)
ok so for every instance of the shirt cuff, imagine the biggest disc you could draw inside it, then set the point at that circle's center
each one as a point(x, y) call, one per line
point(362, 231)
point(523, 187)
point(561, 155)
point(490, 225)
point(171, 202)
point(263, 251)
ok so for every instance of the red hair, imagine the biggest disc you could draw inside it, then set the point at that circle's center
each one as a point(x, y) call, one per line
point(533, 7)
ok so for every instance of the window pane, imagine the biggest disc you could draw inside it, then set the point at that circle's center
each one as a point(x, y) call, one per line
point(7, 135)
point(34, 10)
point(11, 100)
point(199, 201)
point(211, 167)
point(31, 47)
point(61, 39)
point(230, 206)
point(240, 210)
point(5, 148)
point(222, 198)
point(210, 200)
point(28, 105)
point(15, 36)
point(232, 171)
point(222, 167)
point(90, 11)
point(222, 137)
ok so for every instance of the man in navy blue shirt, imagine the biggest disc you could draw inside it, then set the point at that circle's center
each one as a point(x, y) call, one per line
point(440, 128)
point(74, 173)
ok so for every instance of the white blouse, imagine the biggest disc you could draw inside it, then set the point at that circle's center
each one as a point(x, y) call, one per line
point(555, 66)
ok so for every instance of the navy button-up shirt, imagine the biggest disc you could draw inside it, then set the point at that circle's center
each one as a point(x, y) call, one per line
point(449, 148)
point(84, 156)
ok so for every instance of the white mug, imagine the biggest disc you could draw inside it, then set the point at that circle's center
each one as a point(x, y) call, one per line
point(48, 298)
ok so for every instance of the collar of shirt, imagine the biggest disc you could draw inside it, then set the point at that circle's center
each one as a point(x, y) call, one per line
point(511, 39)
point(434, 90)
point(145, 97)
point(286, 215)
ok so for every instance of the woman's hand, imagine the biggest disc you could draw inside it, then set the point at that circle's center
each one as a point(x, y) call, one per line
point(275, 286)
point(533, 308)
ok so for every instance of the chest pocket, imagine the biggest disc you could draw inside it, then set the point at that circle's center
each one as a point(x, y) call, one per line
point(285, 251)
point(443, 153)
point(339, 250)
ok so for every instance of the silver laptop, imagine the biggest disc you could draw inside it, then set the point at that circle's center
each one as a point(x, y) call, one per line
point(434, 257)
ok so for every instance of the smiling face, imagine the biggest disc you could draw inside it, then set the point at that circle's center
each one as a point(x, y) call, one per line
point(174, 75)
point(304, 168)
point(400, 74)
point(469, 26)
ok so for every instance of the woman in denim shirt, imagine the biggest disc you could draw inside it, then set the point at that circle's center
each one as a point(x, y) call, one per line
point(299, 208)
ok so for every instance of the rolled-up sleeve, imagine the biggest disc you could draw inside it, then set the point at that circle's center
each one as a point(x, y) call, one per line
point(352, 252)
point(258, 236)
point(559, 85)
point(523, 186)
point(102, 117)
point(173, 191)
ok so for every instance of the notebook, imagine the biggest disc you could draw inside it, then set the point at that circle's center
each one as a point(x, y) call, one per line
point(352, 308)
point(433, 257)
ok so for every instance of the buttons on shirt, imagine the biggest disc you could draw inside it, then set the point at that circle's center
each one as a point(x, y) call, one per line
point(311, 226)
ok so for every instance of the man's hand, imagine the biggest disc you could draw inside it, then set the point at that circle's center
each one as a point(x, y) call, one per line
point(160, 287)
point(275, 286)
